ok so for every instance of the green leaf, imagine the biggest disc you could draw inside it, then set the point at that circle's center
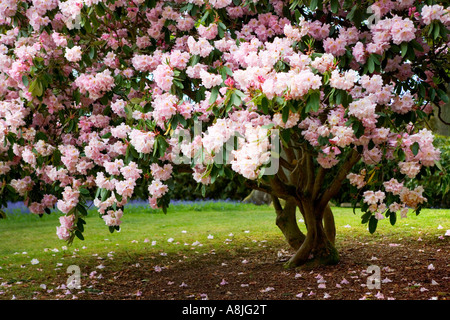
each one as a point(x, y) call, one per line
point(79, 235)
point(313, 4)
point(422, 90)
point(41, 136)
point(84, 192)
point(265, 105)
point(351, 14)
point(82, 209)
point(442, 95)
point(285, 135)
point(335, 6)
point(194, 60)
point(100, 10)
point(92, 53)
point(373, 222)
point(392, 218)
point(436, 30)
point(80, 225)
point(371, 64)
point(365, 217)
point(178, 84)
point(297, 15)
point(404, 48)
point(235, 99)
point(105, 193)
point(203, 190)
point(36, 88)
point(313, 102)
point(439, 165)
point(25, 80)
point(268, 126)
point(221, 31)
point(71, 125)
point(76, 96)
point(214, 95)
point(162, 145)
point(285, 114)
point(416, 45)
point(205, 16)
point(239, 93)
point(415, 148)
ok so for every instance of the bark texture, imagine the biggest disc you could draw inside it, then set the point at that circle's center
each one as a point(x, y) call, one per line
point(305, 185)
point(287, 222)
point(317, 248)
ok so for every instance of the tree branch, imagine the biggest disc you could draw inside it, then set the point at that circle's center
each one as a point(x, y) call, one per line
point(310, 175)
point(318, 182)
point(286, 164)
point(335, 186)
point(276, 204)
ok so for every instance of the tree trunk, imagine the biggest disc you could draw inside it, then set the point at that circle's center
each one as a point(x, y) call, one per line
point(287, 222)
point(317, 248)
point(329, 225)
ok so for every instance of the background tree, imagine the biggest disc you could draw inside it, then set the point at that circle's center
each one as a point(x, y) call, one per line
point(98, 97)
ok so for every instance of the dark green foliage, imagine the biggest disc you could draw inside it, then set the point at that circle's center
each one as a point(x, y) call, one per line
point(186, 188)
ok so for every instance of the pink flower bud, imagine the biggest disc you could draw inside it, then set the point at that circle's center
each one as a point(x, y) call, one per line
point(229, 82)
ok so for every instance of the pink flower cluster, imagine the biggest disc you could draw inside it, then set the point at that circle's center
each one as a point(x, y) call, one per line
point(358, 180)
point(96, 85)
point(156, 189)
point(435, 12)
point(73, 54)
point(210, 80)
point(70, 199)
point(112, 218)
point(22, 185)
point(396, 29)
point(375, 200)
point(163, 75)
point(142, 141)
point(202, 47)
point(161, 173)
point(253, 152)
point(146, 63)
point(63, 231)
point(216, 135)
point(164, 107)
point(48, 201)
point(264, 27)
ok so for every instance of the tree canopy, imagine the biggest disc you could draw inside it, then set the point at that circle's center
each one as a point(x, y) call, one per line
point(104, 100)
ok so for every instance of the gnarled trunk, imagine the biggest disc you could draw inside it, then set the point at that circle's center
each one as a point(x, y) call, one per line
point(287, 222)
point(318, 246)
point(300, 181)
point(329, 225)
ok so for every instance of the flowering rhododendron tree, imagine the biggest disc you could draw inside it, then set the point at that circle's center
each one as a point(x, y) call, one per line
point(104, 100)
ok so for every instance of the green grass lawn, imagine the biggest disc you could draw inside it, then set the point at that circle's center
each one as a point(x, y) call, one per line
point(197, 227)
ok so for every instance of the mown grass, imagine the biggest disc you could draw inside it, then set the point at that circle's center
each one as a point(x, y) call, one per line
point(195, 228)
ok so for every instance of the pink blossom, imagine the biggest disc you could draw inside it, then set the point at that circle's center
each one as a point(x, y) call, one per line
point(112, 218)
point(161, 173)
point(157, 189)
point(209, 32)
point(142, 141)
point(131, 171)
point(73, 54)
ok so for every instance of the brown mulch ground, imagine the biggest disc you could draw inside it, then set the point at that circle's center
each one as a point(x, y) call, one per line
point(415, 270)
